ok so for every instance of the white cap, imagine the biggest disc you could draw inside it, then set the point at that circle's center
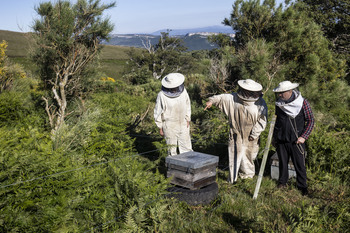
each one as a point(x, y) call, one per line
point(173, 80)
point(285, 86)
point(250, 85)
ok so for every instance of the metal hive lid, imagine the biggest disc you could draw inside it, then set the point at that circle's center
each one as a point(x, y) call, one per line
point(192, 159)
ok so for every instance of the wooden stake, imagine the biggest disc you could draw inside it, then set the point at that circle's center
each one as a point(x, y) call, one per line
point(262, 168)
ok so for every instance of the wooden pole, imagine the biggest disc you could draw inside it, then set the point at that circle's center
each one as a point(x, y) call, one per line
point(262, 168)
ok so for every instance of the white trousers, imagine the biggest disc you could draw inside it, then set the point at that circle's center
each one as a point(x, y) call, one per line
point(241, 158)
point(177, 136)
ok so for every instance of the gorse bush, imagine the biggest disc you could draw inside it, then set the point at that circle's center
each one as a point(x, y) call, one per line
point(9, 72)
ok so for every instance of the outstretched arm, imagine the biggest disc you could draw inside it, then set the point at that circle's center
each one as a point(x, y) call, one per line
point(208, 105)
point(161, 132)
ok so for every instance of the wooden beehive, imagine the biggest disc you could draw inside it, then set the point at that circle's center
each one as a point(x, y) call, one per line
point(192, 169)
point(275, 169)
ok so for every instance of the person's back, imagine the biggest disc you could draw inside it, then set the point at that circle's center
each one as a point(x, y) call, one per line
point(173, 110)
point(172, 113)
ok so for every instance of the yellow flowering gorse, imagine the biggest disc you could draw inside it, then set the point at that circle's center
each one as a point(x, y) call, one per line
point(108, 79)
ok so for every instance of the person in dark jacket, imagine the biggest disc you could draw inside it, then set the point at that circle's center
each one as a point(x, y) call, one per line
point(293, 127)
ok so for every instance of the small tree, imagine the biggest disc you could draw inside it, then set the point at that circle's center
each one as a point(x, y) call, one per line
point(258, 61)
point(68, 38)
point(221, 40)
point(220, 69)
point(334, 18)
point(251, 19)
point(287, 39)
point(164, 57)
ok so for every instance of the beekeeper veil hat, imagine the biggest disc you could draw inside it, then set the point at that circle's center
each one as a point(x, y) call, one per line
point(173, 80)
point(250, 85)
point(285, 86)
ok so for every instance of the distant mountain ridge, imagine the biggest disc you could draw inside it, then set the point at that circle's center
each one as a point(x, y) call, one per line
point(194, 39)
point(210, 29)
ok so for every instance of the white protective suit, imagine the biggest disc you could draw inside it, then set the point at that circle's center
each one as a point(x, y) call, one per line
point(172, 114)
point(247, 117)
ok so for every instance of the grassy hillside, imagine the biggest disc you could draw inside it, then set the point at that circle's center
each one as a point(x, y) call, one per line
point(18, 43)
point(112, 52)
point(112, 58)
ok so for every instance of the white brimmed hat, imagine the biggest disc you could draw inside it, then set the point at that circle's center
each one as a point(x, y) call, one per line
point(250, 85)
point(285, 86)
point(173, 80)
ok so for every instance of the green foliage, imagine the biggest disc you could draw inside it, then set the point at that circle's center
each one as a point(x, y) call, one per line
point(276, 44)
point(210, 132)
point(9, 73)
point(82, 179)
point(334, 99)
point(18, 43)
point(113, 68)
point(141, 189)
point(221, 40)
point(333, 16)
point(19, 106)
point(328, 150)
point(257, 61)
point(304, 49)
point(17, 148)
point(306, 219)
point(221, 70)
point(140, 76)
point(3, 46)
point(74, 135)
point(11, 109)
point(165, 57)
point(197, 86)
point(67, 38)
point(252, 20)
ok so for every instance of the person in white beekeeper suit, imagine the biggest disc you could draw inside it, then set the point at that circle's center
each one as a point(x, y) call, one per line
point(247, 115)
point(172, 113)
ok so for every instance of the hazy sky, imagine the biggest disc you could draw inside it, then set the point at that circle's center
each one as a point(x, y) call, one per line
point(131, 16)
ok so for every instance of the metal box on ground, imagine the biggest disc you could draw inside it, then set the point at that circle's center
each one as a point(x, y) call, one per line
point(275, 170)
point(192, 169)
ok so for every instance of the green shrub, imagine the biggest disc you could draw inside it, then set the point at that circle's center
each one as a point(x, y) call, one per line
point(12, 108)
point(86, 178)
point(328, 151)
point(140, 76)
